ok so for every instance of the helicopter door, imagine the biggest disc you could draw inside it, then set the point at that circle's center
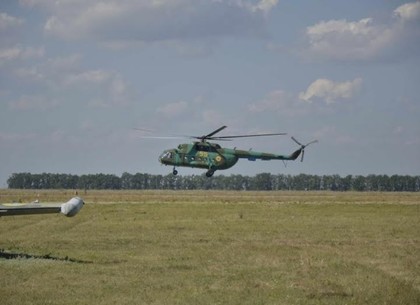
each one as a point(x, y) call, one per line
point(184, 159)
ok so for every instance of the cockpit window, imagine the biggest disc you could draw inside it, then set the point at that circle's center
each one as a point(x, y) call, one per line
point(167, 155)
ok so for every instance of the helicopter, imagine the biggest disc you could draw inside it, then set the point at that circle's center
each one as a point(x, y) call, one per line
point(211, 156)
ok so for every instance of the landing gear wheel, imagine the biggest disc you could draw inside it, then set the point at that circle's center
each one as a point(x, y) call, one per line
point(175, 172)
point(209, 173)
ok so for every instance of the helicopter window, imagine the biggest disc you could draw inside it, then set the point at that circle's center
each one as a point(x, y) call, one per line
point(202, 148)
point(167, 155)
point(208, 148)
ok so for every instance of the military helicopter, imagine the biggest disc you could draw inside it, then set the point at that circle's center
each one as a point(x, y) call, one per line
point(211, 156)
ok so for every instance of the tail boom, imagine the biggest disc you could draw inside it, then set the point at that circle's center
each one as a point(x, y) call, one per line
point(253, 155)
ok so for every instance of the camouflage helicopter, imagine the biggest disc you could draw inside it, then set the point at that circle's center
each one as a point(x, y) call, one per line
point(211, 156)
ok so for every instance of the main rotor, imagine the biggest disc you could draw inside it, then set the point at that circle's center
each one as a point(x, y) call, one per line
point(210, 136)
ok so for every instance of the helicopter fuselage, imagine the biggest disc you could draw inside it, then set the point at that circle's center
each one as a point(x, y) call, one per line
point(213, 157)
point(199, 155)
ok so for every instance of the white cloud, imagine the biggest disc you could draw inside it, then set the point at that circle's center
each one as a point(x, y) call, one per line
point(57, 71)
point(282, 103)
point(277, 100)
point(331, 135)
point(213, 118)
point(330, 91)
point(339, 39)
point(295, 105)
point(9, 54)
point(408, 11)
point(88, 77)
point(118, 86)
point(17, 52)
point(7, 22)
point(31, 52)
point(172, 110)
point(33, 102)
point(63, 77)
point(106, 88)
point(267, 5)
point(126, 21)
point(398, 130)
point(119, 91)
point(29, 73)
point(64, 63)
point(364, 39)
point(16, 137)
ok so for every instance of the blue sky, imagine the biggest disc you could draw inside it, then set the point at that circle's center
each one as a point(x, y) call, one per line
point(76, 78)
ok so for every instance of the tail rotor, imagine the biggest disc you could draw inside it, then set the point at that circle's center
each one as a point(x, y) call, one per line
point(303, 146)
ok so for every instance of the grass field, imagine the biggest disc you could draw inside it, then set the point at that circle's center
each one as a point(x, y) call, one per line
point(168, 247)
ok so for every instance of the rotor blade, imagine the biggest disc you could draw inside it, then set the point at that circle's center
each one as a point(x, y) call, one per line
point(143, 129)
point(212, 133)
point(163, 138)
point(314, 141)
point(217, 139)
point(250, 136)
point(297, 141)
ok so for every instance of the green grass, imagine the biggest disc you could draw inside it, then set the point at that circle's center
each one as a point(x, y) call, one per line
point(166, 247)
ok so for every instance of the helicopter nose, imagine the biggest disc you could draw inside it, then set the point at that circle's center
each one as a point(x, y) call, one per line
point(163, 157)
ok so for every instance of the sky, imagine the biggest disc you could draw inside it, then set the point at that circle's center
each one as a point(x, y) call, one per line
point(79, 77)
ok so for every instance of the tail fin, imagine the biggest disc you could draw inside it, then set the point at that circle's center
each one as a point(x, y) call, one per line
point(295, 154)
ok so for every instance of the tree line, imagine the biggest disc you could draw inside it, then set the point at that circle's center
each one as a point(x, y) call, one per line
point(263, 181)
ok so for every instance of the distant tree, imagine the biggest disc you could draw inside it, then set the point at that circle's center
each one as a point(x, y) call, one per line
point(126, 181)
point(262, 181)
point(19, 181)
